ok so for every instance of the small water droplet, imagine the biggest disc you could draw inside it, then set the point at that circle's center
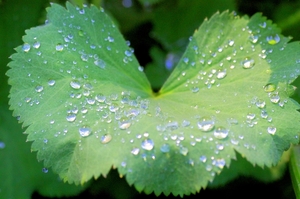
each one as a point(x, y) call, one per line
point(75, 84)
point(269, 87)
point(165, 148)
point(195, 89)
point(135, 151)
point(271, 130)
point(272, 40)
point(2, 145)
point(221, 132)
point(100, 98)
point(71, 117)
point(100, 63)
point(253, 38)
point(39, 89)
point(183, 150)
point(51, 82)
point(221, 74)
point(248, 63)
point(250, 116)
point(206, 124)
point(26, 47)
point(220, 163)
point(124, 123)
point(260, 103)
point(36, 45)
point(264, 114)
point(105, 138)
point(84, 131)
point(203, 158)
point(274, 98)
point(230, 42)
point(59, 47)
point(147, 144)
point(45, 170)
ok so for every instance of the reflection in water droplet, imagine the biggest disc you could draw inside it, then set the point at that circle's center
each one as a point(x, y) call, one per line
point(271, 130)
point(147, 144)
point(105, 138)
point(59, 47)
point(165, 148)
point(248, 63)
point(26, 47)
point(272, 40)
point(84, 131)
point(206, 124)
point(221, 132)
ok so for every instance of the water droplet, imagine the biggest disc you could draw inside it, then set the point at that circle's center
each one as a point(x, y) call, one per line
point(39, 89)
point(206, 124)
point(220, 163)
point(248, 63)
point(230, 42)
point(36, 45)
point(264, 114)
point(59, 47)
point(135, 151)
point(147, 144)
point(2, 145)
point(100, 63)
point(105, 138)
point(84, 131)
point(84, 57)
point(124, 123)
point(129, 53)
point(51, 82)
point(71, 118)
point(274, 98)
point(221, 132)
point(220, 147)
point(203, 158)
point(183, 150)
point(110, 39)
point(260, 103)
point(45, 170)
point(272, 40)
point(26, 47)
point(250, 116)
point(269, 87)
point(100, 97)
point(75, 84)
point(253, 38)
point(221, 74)
point(271, 130)
point(165, 148)
point(195, 89)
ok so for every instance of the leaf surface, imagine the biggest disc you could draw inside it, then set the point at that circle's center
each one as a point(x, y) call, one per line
point(88, 106)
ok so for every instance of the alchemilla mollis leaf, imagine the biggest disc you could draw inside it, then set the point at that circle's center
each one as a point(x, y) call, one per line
point(88, 106)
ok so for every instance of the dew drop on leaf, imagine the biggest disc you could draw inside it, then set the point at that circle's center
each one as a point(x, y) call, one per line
point(183, 150)
point(45, 170)
point(135, 151)
point(100, 97)
point(221, 132)
point(272, 40)
point(221, 74)
point(51, 82)
point(203, 158)
point(2, 145)
point(269, 87)
point(26, 47)
point(105, 138)
point(84, 131)
point(100, 63)
point(39, 89)
point(206, 124)
point(260, 103)
point(71, 118)
point(274, 98)
point(36, 45)
point(124, 123)
point(248, 63)
point(253, 38)
point(271, 130)
point(220, 163)
point(75, 84)
point(147, 144)
point(59, 47)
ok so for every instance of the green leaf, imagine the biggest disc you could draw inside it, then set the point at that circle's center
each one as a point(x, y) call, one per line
point(21, 174)
point(294, 166)
point(88, 106)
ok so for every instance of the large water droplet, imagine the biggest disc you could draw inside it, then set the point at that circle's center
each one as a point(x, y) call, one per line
point(100, 63)
point(105, 138)
point(26, 47)
point(59, 47)
point(147, 144)
point(221, 132)
point(84, 131)
point(273, 39)
point(75, 84)
point(271, 130)
point(248, 63)
point(206, 124)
